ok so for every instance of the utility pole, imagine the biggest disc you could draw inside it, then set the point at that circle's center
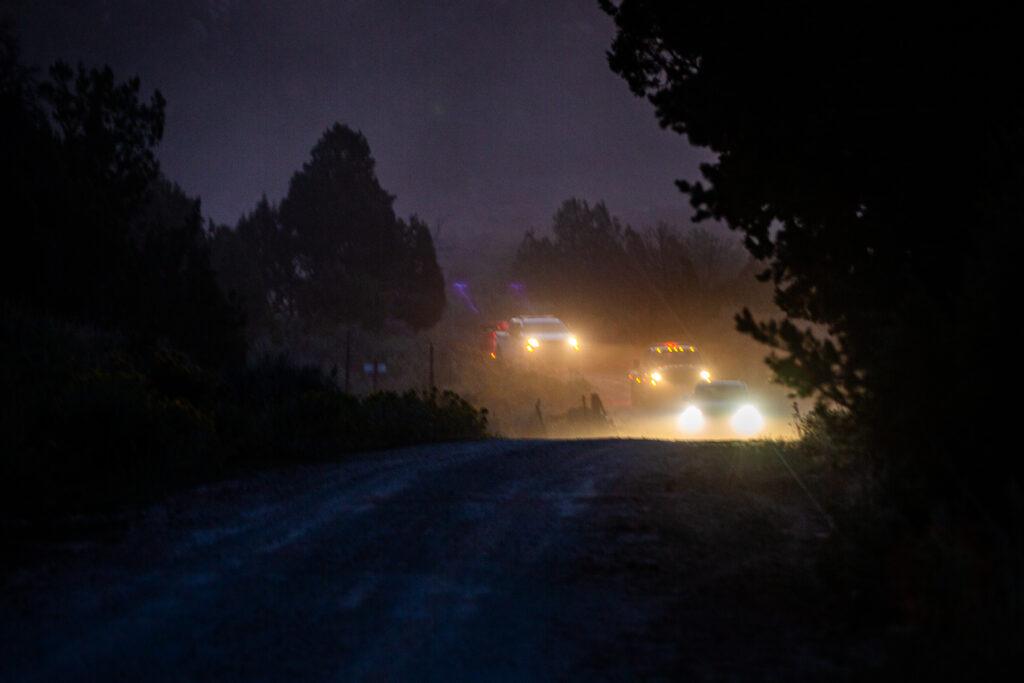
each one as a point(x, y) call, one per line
point(430, 383)
point(348, 357)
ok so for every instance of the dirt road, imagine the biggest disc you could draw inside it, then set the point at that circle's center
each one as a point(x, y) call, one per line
point(494, 560)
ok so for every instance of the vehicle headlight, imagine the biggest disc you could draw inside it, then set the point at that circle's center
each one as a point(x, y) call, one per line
point(705, 375)
point(656, 376)
point(747, 421)
point(532, 342)
point(691, 419)
point(574, 343)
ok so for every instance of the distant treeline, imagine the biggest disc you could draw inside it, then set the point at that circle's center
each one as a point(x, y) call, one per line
point(629, 285)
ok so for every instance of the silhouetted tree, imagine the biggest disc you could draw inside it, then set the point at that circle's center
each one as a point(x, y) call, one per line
point(95, 233)
point(873, 177)
point(27, 160)
point(342, 256)
point(422, 298)
point(254, 263)
point(178, 299)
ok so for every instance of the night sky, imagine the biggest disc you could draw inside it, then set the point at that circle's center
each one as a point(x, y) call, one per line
point(482, 115)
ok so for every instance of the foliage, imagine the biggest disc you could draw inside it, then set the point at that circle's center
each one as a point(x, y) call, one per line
point(343, 229)
point(412, 417)
point(833, 171)
point(99, 235)
point(85, 421)
point(582, 262)
point(89, 422)
point(107, 134)
point(946, 589)
point(422, 298)
point(179, 301)
point(123, 363)
point(249, 265)
point(333, 252)
point(630, 285)
point(874, 164)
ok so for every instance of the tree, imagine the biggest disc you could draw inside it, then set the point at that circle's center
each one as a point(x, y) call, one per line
point(27, 155)
point(95, 233)
point(254, 265)
point(178, 300)
point(82, 167)
point(834, 160)
point(353, 261)
point(423, 299)
point(582, 269)
point(626, 284)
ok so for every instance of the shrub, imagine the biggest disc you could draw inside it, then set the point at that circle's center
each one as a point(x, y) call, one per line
point(85, 423)
point(948, 586)
point(277, 411)
point(401, 419)
point(89, 423)
point(283, 412)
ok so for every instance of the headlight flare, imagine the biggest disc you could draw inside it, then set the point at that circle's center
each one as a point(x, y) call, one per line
point(691, 420)
point(656, 376)
point(532, 343)
point(747, 421)
point(705, 376)
point(574, 343)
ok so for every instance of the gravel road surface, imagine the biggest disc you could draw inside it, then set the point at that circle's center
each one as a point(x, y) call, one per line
point(508, 560)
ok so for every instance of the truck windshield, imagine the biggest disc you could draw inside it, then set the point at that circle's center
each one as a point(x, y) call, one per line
point(545, 327)
point(716, 392)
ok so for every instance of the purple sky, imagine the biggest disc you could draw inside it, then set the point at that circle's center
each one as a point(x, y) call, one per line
point(482, 115)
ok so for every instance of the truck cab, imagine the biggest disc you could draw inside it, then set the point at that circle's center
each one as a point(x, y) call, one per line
point(667, 374)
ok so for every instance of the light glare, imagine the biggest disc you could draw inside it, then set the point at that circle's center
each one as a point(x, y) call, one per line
point(691, 420)
point(747, 421)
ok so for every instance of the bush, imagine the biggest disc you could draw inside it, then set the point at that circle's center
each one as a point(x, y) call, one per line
point(944, 595)
point(114, 436)
point(85, 423)
point(90, 423)
point(280, 411)
point(400, 419)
